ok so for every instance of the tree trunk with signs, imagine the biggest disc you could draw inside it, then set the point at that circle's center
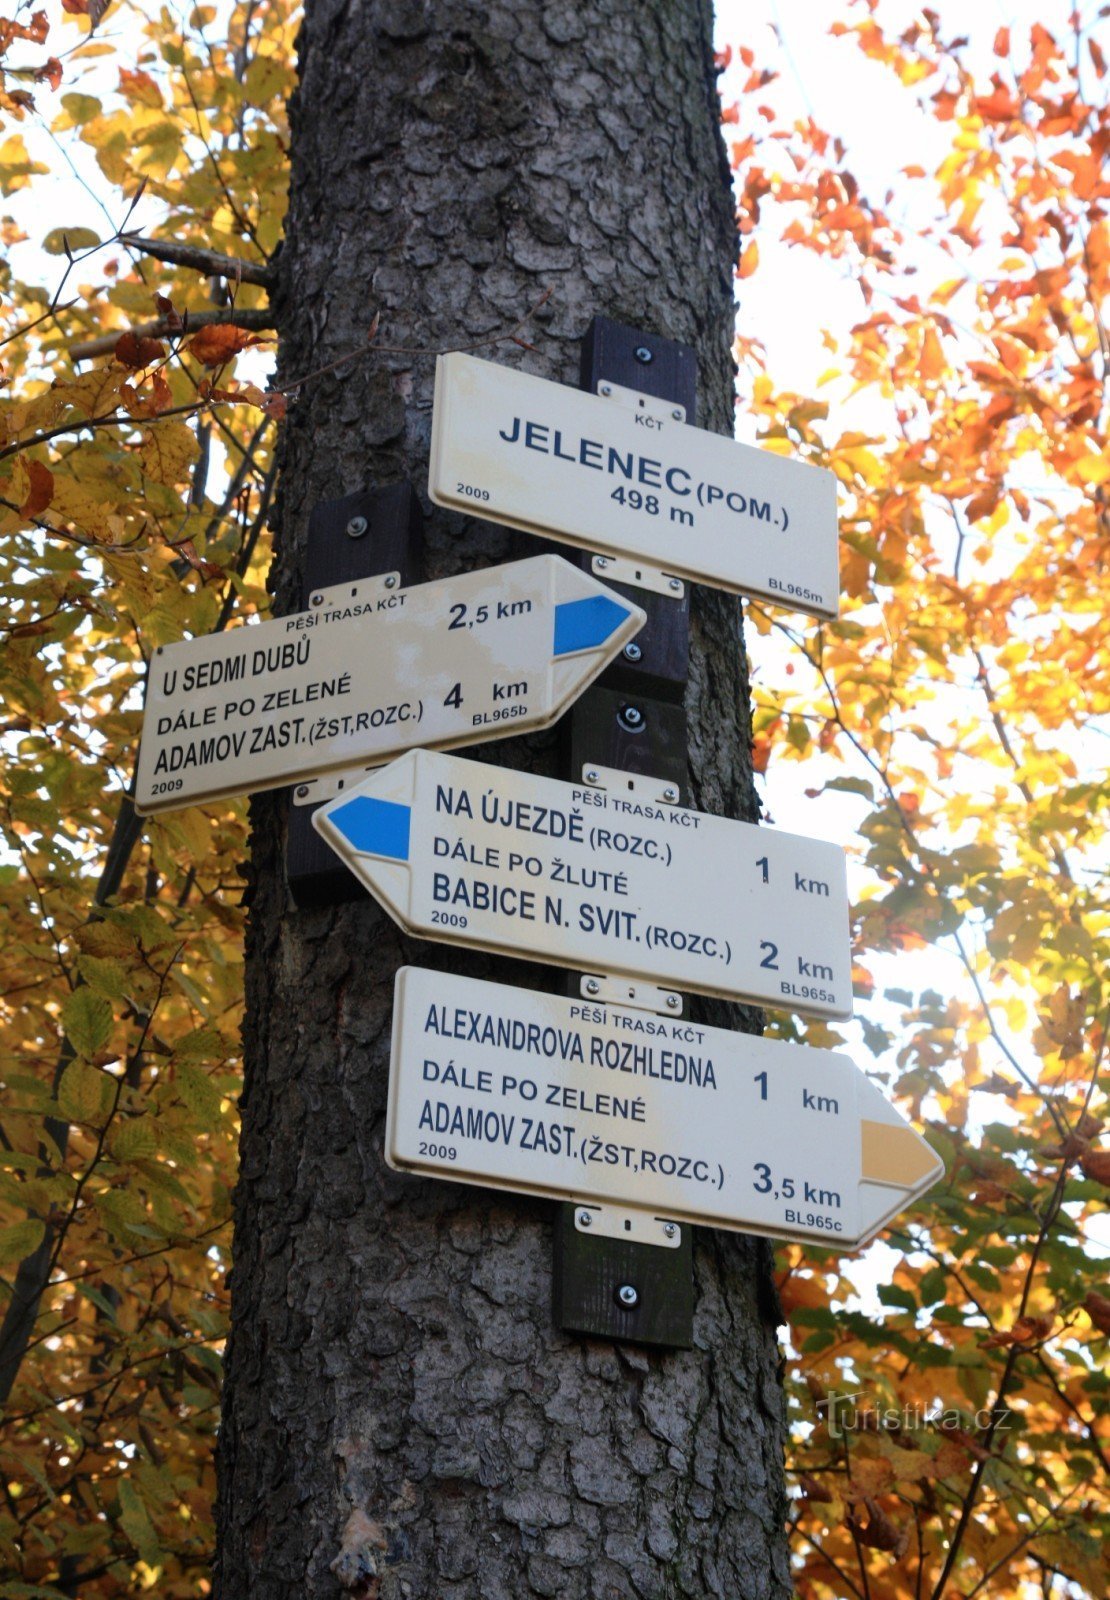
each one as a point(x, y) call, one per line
point(401, 1416)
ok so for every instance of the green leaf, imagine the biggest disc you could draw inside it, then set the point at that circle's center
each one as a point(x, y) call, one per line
point(133, 1140)
point(136, 1523)
point(852, 786)
point(76, 238)
point(83, 1093)
point(20, 1239)
point(197, 1092)
point(87, 1019)
point(104, 977)
point(100, 1301)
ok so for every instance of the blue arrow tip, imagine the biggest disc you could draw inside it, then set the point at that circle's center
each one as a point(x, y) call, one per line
point(374, 827)
point(584, 624)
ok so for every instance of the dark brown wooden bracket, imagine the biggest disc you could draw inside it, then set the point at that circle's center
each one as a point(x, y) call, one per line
point(355, 537)
point(633, 721)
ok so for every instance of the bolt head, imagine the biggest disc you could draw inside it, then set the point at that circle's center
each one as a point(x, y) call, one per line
point(357, 527)
point(676, 584)
point(302, 790)
point(672, 1002)
point(316, 600)
point(669, 1230)
point(592, 986)
point(585, 1220)
point(631, 716)
point(605, 388)
point(391, 581)
point(677, 414)
point(632, 652)
point(643, 354)
point(628, 1297)
point(670, 792)
point(591, 775)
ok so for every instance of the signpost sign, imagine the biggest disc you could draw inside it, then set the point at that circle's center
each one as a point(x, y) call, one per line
point(544, 1095)
point(624, 475)
point(581, 877)
point(370, 671)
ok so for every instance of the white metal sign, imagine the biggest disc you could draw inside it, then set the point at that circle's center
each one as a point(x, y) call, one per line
point(537, 1093)
point(373, 670)
point(625, 475)
point(581, 877)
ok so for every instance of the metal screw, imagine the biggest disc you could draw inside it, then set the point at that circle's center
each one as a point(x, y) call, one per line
point(302, 790)
point(632, 652)
point(357, 527)
point(672, 1002)
point(642, 354)
point(669, 1230)
point(591, 775)
point(592, 986)
point(631, 716)
point(605, 388)
point(628, 1297)
point(585, 1220)
point(391, 581)
point(678, 415)
point(316, 600)
point(670, 792)
point(601, 561)
point(676, 584)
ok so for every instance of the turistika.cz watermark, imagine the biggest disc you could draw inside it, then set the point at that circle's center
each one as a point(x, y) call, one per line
point(844, 1414)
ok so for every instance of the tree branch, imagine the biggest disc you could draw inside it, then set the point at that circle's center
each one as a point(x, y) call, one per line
point(210, 262)
point(162, 328)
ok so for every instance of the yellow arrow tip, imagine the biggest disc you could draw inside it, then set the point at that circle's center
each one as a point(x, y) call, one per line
point(897, 1155)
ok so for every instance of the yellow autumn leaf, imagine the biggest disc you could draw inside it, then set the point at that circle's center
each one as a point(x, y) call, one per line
point(167, 452)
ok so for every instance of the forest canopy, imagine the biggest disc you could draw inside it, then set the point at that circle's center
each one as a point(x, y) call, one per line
point(949, 1433)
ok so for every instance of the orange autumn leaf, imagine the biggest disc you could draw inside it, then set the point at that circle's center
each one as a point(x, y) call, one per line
point(136, 351)
point(50, 72)
point(1026, 1333)
point(796, 1290)
point(749, 260)
point(215, 345)
point(880, 1532)
point(140, 88)
point(143, 406)
point(1097, 1307)
point(1095, 1165)
point(40, 491)
point(870, 1477)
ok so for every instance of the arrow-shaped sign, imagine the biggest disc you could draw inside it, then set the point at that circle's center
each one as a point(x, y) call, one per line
point(370, 671)
point(605, 882)
point(623, 474)
point(544, 1095)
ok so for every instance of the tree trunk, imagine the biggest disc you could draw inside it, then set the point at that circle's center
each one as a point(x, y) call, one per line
point(401, 1417)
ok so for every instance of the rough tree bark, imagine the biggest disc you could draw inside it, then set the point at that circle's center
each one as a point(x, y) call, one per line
point(401, 1418)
